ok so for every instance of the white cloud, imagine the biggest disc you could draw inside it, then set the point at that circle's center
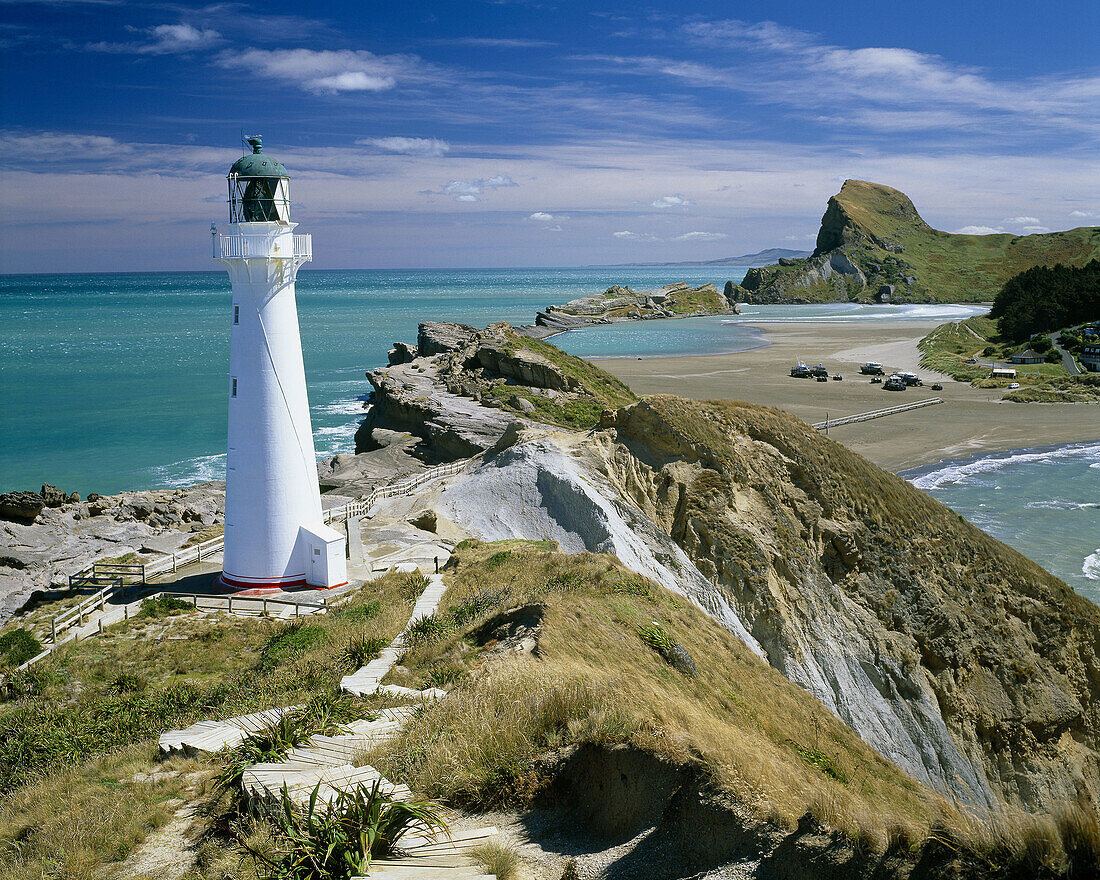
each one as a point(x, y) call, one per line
point(627, 235)
point(408, 146)
point(1032, 230)
point(544, 217)
point(163, 39)
point(470, 190)
point(325, 71)
point(700, 236)
point(889, 88)
point(674, 201)
point(978, 230)
point(1022, 221)
point(1093, 215)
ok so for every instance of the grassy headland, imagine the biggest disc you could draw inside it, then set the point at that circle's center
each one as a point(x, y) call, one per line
point(878, 230)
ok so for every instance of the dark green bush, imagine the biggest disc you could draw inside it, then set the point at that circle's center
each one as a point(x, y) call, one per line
point(164, 606)
point(17, 646)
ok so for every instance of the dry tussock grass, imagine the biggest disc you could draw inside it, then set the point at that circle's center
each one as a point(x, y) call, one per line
point(596, 681)
point(758, 737)
point(70, 824)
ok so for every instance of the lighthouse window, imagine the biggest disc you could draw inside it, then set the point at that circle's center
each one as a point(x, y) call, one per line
point(236, 314)
point(233, 389)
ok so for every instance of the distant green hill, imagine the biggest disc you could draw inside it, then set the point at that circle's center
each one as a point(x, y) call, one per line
point(874, 245)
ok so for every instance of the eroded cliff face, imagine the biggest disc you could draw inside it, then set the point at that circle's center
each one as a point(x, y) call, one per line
point(955, 657)
point(959, 659)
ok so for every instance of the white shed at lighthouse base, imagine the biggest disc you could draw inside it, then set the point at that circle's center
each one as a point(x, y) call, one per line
point(324, 552)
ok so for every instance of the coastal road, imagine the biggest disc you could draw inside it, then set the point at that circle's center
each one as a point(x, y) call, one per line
point(1068, 360)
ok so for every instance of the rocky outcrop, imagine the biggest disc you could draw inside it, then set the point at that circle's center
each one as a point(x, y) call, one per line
point(63, 539)
point(619, 303)
point(931, 639)
point(21, 506)
point(831, 277)
point(464, 388)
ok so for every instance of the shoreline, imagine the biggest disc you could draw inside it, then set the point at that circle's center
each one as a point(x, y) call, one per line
point(971, 421)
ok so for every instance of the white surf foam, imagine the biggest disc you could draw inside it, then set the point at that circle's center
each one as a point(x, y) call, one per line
point(960, 474)
point(1057, 504)
point(203, 469)
point(1091, 568)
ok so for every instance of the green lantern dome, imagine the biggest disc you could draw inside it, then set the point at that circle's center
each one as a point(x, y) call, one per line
point(257, 164)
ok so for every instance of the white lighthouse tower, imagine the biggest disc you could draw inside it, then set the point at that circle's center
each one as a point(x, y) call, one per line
point(274, 533)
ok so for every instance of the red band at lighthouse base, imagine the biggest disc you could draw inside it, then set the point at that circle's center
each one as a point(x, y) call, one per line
point(235, 583)
point(241, 582)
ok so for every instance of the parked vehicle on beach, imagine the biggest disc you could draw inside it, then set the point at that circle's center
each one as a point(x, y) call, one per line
point(872, 369)
point(820, 371)
point(800, 371)
point(894, 383)
point(822, 378)
point(876, 380)
point(909, 378)
point(837, 377)
point(937, 387)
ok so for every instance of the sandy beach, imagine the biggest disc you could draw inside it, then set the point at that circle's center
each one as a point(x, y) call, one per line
point(971, 420)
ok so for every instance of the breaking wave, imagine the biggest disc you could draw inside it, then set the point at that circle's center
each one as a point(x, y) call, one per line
point(965, 472)
point(1091, 568)
point(202, 469)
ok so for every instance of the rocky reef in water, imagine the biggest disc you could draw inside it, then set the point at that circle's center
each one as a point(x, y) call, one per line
point(873, 246)
point(618, 303)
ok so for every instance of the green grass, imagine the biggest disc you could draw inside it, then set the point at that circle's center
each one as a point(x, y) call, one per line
point(91, 697)
point(947, 348)
point(17, 646)
point(950, 267)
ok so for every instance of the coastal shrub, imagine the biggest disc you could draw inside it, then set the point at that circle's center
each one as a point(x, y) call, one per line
point(164, 606)
point(427, 629)
point(339, 839)
point(474, 606)
point(362, 649)
point(17, 646)
point(817, 758)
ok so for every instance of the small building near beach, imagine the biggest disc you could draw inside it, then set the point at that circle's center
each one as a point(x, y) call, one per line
point(1002, 373)
point(1090, 357)
point(1027, 356)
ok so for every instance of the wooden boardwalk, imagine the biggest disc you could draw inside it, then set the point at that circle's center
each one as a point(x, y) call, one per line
point(327, 763)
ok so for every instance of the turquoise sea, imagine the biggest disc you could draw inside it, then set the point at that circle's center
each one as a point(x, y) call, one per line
point(118, 381)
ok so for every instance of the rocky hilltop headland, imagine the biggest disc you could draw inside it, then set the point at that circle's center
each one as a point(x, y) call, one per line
point(964, 663)
point(618, 303)
point(873, 246)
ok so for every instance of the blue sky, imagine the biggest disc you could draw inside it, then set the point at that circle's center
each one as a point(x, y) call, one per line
point(535, 133)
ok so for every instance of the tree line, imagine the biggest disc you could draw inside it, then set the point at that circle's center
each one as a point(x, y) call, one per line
point(1046, 298)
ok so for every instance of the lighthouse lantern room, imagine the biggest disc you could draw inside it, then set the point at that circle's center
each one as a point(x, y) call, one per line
point(275, 534)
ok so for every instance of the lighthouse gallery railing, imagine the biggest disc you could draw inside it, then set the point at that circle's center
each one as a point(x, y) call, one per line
point(259, 247)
